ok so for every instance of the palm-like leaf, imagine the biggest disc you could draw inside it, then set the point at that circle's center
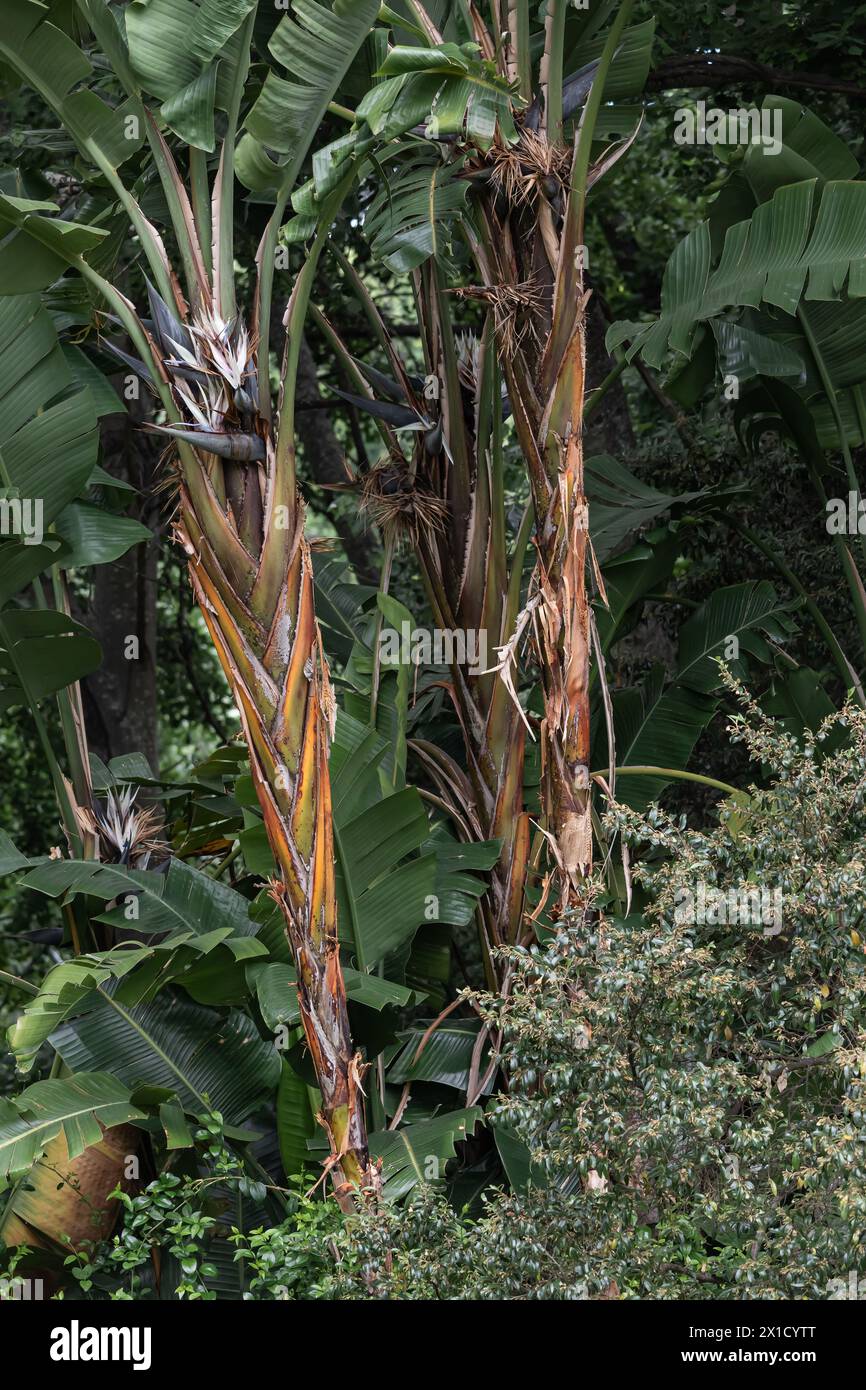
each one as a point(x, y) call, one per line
point(315, 45)
point(411, 217)
point(78, 1106)
point(804, 243)
point(212, 1063)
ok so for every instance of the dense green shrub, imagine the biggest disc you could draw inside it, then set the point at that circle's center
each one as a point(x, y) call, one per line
point(691, 1092)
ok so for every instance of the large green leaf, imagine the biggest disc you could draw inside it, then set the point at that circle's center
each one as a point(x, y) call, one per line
point(51, 62)
point(339, 604)
point(805, 243)
point(742, 618)
point(654, 726)
point(81, 1106)
point(70, 988)
point(384, 888)
point(620, 503)
point(33, 370)
point(412, 214)
point(296, 1122)
point(48, 444)
point(183, 899)
point(315, 45)
point(658, 724)
point(275, 983)
point(458, 90)
point(392, 874)
point(457, 887)
point(211, 1062)
point(828, 334)
point(810, 149)
point(20, 563)
point(420, 1152)
point(36, 249)
point(42, 651)
point(628, 577)
point(631, 63)
point(743, 352)
point(396, 675)
point(446, 1058)
point(175, 47)
point(95, 536)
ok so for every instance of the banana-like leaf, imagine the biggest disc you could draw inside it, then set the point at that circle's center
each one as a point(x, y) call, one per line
point(49, 444)
point(42, 651)
point(211, 1062)
point(55, 65)
point(742, 618)
point(620, 503)
point(85, 372)
point(96, 537)
point(21, 563)
point(411, 216)
point(384, 889)
point(339, 604)
point(755, 226)
point(296, 1121)
point(745, 353)
point(800, 703)
point(464, 94)
point(395, 678)
point(70, 988)
point(78, 1106)
point(806, 244)
point(275, 983)
point(181, 900)
point(810, 149)
point(630, 67)
point(653, 726)
point(419, 1153)
point(628, 577)
point(392, 875)
point(658, 725)
point(315, 45)
point(10, 858)
point(38, 249)
point(457, 888)
point(174, 49)
point(446, 1058)
point(449, 91)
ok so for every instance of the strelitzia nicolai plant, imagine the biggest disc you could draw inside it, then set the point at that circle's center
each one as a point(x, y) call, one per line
point(486, 143)
point(239, 516)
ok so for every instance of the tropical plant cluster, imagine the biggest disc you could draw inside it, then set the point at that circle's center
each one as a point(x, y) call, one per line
point(432, 650)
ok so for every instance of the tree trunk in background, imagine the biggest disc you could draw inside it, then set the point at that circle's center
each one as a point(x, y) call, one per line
point(608, 430)
point(323, 456)
point(120, 699)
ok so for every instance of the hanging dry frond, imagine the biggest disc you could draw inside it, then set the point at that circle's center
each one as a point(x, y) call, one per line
point(514, 308)
point(530, 166)
point(508, 658)
point(394, 497)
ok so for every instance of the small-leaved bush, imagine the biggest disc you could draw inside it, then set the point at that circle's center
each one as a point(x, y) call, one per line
point(689, 1085)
